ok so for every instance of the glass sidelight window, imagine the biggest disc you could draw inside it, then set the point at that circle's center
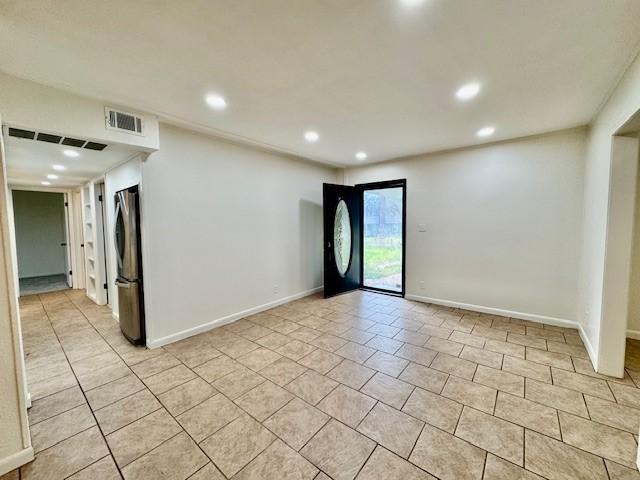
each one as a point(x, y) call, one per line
point(383, 239)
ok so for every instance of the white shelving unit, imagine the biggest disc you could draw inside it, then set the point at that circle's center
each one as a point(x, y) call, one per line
point(94, 250)
point(87, 222)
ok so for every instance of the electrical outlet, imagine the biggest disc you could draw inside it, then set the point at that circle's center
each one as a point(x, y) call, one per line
point(276, 288)
point(422, 227)
point(421, 284)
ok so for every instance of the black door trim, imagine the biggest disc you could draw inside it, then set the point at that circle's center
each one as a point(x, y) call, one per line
point(376, 186)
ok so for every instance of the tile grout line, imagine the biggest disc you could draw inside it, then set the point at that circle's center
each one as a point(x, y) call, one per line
point(116, 401)
point(59, 413)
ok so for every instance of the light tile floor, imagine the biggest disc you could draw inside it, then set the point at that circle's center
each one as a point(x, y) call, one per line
point(360, 386)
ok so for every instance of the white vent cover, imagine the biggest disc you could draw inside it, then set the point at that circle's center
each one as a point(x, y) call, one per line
point(123, 121)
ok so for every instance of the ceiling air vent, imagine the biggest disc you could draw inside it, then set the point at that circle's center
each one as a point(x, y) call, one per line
point(47, 137)
point(73, 142)
point(20, 133)
point(123, 121)
point(95, 146)
point(53, 138)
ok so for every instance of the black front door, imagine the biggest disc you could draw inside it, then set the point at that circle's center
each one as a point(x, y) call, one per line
point(342, 208)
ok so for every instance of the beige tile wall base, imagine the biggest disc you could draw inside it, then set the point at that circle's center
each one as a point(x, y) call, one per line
point(16, 460)
point(159, 342)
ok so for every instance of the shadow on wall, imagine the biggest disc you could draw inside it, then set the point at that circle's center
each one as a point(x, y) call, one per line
point(311, 238)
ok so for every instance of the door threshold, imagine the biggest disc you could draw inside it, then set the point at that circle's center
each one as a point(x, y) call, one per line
point(383, 292)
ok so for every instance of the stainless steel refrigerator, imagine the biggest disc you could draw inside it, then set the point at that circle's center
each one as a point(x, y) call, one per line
point(129, 263)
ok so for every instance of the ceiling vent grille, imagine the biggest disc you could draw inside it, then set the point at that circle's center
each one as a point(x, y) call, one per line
point(52, 138)
point(123, 121)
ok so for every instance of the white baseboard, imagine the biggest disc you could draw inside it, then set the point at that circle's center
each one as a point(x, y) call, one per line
point(533, 317)
point(635, 334)
point(28, 400)
point(159, 342)
point(16, 460)
point(558, 322)
point(115, 316)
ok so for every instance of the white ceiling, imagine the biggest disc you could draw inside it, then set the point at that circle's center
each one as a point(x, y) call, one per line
point(368, 75)
point(29, 162)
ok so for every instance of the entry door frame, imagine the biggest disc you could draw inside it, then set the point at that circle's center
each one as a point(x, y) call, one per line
point(362, 187)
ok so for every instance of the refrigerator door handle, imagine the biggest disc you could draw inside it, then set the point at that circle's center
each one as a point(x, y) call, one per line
point(122, 284)
point(115, 236)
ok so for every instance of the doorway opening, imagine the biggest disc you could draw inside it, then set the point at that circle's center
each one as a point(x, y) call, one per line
point(619, 315)
point(42, 241)
point(365, 237)
point(383, 236)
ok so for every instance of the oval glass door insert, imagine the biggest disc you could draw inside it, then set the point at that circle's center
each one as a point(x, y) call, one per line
point(342, 238)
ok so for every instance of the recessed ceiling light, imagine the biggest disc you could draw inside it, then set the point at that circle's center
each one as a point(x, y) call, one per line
point(468, 91)
point(59, 168)
point(411, 3)
point(215, 101)
point(311, 136)
point(45, 183)
point(361, 156)
point(70, 153)
point(51, 176)
point(485, 132)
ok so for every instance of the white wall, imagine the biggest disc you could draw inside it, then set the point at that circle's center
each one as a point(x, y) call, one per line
point(223, 224)
point(34, 106)
point(40, 229)
point(622, 104)
point(123, 176)
point(503, 224)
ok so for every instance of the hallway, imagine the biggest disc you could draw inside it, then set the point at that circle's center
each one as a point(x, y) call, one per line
point(357, 384)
